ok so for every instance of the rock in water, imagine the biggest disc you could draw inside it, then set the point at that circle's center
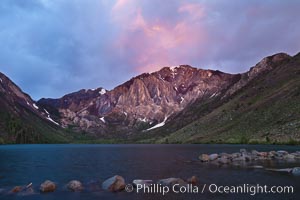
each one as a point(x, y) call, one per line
point(296, 171)
point(204, 158)
point(224, 160)
point(172, 181)
point(213, 156)
point(142, 182)
point(193, 180)
point(16, 189)
point(75, 185)
point(289, 157)
point(243, 151)
point(47, 186)
point(114, 184)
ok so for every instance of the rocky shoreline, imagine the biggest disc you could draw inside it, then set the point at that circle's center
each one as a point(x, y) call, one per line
point(114, 184)
point(248, 159)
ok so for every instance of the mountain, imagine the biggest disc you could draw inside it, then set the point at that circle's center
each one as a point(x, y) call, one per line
point(262, 107)
point(141, 104)
point(180, 104)
point(22, 121)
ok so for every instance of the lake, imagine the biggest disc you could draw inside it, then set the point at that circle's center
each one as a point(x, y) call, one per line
point(92, 164)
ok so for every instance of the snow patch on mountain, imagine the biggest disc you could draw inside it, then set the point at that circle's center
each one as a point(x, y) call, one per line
point(213, 95)
point(50, 119)
point(143, 120)
point(46, 112)
point(102, 91)
point(181, 99)
point(173, 68)
point(35, 106)
point(102, 119)
point(158, 125)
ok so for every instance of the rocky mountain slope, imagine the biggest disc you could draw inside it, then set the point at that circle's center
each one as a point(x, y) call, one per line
point(21, 120)
point(141, 104)
point(262, 107)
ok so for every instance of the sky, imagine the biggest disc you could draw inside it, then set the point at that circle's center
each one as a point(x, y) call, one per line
point(53, 47)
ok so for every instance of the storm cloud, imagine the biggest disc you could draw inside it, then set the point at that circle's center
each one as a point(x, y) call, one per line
point(53, 47)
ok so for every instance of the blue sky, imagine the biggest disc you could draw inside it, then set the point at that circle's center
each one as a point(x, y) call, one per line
point(53, 47)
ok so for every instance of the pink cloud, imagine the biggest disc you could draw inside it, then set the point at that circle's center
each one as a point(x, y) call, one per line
point(195, 10)
point(150, 44)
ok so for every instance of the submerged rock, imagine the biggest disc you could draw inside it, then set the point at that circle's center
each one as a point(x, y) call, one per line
point(27, 191)
point(75, 185)
point(93, 186)
point(256, 167)
point(16, 189)
point(47, 186)
point(114, 184)
point(193, 180)
point(296, 171)
point(23, 190)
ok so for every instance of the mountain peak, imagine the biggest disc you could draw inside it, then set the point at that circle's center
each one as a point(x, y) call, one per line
point(273, 59)
point(268, 63)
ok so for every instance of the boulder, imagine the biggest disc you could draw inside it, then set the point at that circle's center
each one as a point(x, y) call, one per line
point(213, 156)
point(297, 155)
point(47, 186)
point(248, 158)
point(193, 180)
point(224, 160)
point(75, 186)
point(235, 155)
point(225, 155)
point(142, 182)
point(263, 154)
point(172, 181)
point(238, 159)
point(289, 157)
point(272, 155)
point(296, 171)
point(254, 152)
point(114, 184)
point(204, 158)
point(281, 153)
point(243, 151)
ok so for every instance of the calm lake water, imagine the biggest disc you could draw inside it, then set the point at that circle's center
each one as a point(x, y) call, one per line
point(23, 164)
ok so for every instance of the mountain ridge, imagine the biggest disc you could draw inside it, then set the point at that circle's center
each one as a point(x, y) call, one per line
point(151, 107)
point(145, 99)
